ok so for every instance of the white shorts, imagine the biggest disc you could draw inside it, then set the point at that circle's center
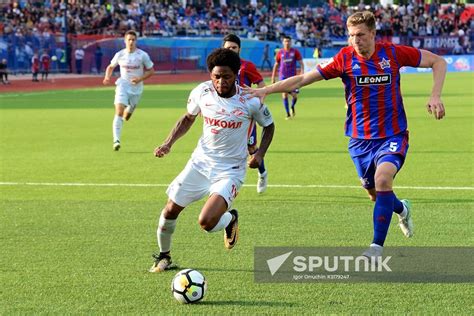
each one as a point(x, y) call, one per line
point(191, 185)
point(127, 99)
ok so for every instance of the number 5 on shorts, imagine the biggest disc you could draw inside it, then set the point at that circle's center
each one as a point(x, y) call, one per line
point(393, 146)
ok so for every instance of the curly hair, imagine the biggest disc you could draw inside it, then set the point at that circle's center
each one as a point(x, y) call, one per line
point(224, 57)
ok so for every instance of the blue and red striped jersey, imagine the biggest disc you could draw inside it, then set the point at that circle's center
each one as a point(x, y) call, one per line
point(372, 88)
point(248, 74)
point(287, 60)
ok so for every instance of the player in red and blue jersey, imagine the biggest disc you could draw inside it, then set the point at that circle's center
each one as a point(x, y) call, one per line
point(286, 61)
point(45, 63)
point(376, 122)
point(247, 76)
point(35, 67)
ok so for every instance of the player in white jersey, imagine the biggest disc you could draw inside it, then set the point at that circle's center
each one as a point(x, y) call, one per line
point(135, 67)
point(218, 164)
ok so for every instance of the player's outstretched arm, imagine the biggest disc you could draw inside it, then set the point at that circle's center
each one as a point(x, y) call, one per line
point(286, 85)
point(267, 136)
point(429, 60)
point(182, 127)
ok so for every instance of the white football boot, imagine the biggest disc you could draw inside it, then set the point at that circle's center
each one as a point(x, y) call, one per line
point(116, 145)
point(406, 223)
point(262, 182)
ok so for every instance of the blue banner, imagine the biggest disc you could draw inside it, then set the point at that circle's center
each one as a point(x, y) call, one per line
point(456, 63)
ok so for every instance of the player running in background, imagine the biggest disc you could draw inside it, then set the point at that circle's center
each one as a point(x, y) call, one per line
point(135, 67)
point(285, 62)
point(45, 63)
point(218, 164)
point(248, 75)
point(376, 122)
point(35, 67)
point(4, 71)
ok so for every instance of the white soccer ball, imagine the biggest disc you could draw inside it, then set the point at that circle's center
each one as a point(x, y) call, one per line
point(54, 58)
point(188, 286)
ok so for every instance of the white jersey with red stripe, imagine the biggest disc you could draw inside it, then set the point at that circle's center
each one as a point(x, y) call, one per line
point(132, 65)
point(227, 122)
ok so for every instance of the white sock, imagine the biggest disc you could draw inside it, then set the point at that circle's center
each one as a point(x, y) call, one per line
point(163, 233)
point(117, 127)
point(376, 246)
point(222, 223)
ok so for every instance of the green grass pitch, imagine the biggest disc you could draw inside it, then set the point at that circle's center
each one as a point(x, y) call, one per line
point(86, 249)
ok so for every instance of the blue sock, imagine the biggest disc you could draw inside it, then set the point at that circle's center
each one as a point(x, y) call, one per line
point(287, 109)
point(397, 205)
point(293, 102)
point(382, 215)
point(261, 168)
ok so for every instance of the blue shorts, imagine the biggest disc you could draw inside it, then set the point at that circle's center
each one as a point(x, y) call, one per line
point(253, 136)
point(368, 154)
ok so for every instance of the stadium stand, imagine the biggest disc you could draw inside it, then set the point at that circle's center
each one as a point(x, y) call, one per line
point(29, 26)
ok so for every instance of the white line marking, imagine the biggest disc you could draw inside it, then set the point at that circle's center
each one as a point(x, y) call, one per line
point(296, 186)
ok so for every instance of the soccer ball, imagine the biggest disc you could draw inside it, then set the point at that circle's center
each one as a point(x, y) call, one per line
point(188, 286)
point(54, 58)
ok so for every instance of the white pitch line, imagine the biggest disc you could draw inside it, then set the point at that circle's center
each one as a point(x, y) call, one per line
point(296, 186)
point(69, 184)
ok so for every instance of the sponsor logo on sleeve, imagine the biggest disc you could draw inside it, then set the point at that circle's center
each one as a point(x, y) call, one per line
point(325, 64)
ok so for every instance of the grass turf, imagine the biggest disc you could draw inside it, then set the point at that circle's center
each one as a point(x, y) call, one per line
point(86, 249)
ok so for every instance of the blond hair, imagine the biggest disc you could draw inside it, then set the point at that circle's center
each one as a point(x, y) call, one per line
point(362, 17)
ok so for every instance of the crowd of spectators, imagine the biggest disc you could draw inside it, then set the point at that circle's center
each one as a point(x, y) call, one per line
point(31, 25)
point(309, 25)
